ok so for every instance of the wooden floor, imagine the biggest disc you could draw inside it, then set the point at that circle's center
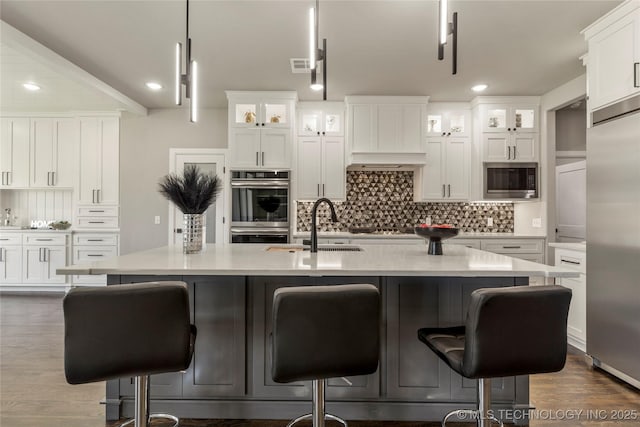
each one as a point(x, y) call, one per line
point(33, 391)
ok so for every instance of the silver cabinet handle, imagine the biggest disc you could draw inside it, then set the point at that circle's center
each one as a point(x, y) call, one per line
point(96, 211)
point(95, 240)
point(514, 152)
point(40, 254)
point(1, 251)
point(443, 193)
point(4, 239)
point(48, 178)
point(263, 158)
point(98, 255)
point(257, 163)
point(3, 178)
point(569, 261)
point(93, 196)
point(323, 194)
point(53, 178)
point(96, 222)
point(511, 247)
point(449, 190)
point(98, 195)
point(318, 191)
point(509, 155)
point(9, 179)
point(45, 252)
point(44, 240)
point(636, 74)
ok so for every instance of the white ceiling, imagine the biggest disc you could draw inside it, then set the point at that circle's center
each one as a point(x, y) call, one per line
point(385, 47)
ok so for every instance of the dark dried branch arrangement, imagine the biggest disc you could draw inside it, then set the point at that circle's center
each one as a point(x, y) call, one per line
point(193, 191)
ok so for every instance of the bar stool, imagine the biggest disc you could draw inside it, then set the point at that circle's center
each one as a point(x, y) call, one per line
point(508, 331)
point(322, 332)
point(128, 330)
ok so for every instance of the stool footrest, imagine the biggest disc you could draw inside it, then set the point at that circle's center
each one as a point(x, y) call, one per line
point(326, 417)
point(155, 417)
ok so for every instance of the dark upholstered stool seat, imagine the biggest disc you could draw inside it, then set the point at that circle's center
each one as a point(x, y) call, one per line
point(324, 332)
point(447, 343)
point(508, 331)
point(128, 330)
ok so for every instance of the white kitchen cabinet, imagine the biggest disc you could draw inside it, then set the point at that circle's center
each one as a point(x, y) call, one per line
point(260, 129)
point(577, 320)
point(260, 148)
point(448, 119)
point(320, 119)
point(613, 61)
point(99, 161)
point(54, 144)
point(445, 176)
point(321, 170)
point(469, 243)
point(510, 147)
point(14, 152)
point(42, 255)
point(10, 258)
point(89, 247)
point(509, 118)
point(382, 126)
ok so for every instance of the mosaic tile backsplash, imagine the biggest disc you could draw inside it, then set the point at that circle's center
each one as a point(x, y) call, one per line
point(384, 200)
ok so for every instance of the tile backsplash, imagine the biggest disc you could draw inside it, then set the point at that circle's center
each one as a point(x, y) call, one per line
point(384, 200)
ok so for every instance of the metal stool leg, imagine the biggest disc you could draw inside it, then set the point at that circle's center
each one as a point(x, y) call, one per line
point(468, 414)
point(484, 404)
point(318, 414)
point(141, 402)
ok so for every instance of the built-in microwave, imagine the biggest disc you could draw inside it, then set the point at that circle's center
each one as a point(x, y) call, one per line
point(510, 180)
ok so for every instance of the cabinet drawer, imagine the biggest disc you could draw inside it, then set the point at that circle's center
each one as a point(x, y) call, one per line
point(95, 239)
point(539, 258)
point(513, 246)
point(98, 222)
point(93, 253)
point(571, 259)
point(470, 243)
point(10, 239)
point(98, 211)
point(42, 239)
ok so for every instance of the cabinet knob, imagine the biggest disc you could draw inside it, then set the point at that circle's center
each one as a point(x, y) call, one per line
point(323, 132)
point(318, 132)
point(257, 124)
point(509, 129)
point(448, 133)
point(263, 124)
point(444, 133)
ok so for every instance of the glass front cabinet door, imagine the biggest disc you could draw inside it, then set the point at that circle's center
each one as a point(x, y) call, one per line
point(259, 112)
point(447, 122)
point(321, 120)
point(499, 118)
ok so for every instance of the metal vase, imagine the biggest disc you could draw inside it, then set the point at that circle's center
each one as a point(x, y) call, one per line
point(193, 233)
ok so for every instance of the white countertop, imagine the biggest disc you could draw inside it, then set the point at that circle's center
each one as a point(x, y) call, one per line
point(462, 235)
point(374, 260)
point(12, 229)
point(581, 247)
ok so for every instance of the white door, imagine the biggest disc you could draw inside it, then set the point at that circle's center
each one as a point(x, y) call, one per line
point(456, 168)
point(571, 202)
point(309, 167)
point(208, 161)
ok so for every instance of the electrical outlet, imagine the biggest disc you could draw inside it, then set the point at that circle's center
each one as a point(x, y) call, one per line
point(536, 222)
point(156, 220)
point(489, 222)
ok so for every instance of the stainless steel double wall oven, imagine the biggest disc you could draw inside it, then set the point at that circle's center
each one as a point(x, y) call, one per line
point(260, 206)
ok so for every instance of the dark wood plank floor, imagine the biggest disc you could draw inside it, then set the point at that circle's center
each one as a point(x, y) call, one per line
point(33, 391)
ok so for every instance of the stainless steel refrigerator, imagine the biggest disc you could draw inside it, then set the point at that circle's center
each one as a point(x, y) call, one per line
point(613, 240)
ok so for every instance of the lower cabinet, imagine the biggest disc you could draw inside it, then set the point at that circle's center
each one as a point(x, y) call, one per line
point(577, 320)
point(11, 264)
point(415, 373)
point(218, 365)
point(261, 290)
point(42, 255)
point(89, 247)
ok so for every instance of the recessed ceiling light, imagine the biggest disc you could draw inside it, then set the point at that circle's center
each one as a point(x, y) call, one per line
point(153, 85)
point(31, 86)
point(479, 88)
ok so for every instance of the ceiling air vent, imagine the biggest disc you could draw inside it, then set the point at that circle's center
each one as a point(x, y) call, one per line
point(299, 65)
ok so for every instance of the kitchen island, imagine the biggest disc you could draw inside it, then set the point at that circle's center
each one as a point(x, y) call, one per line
point(231, 289)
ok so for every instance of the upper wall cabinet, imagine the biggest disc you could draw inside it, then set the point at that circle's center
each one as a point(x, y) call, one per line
point(385, 129)
point(613, 61)
point(508, 128)
point(54, 144)
point(320, 119)
point(448, 120)
point(39, 152)
point(99, 161)
point(261, 129)
point(14, 152)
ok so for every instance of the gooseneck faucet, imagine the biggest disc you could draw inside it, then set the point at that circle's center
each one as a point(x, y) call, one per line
point(314, 230)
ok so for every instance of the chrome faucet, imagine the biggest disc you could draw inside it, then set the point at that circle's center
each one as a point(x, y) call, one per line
point(314, 230)
point(7, 219)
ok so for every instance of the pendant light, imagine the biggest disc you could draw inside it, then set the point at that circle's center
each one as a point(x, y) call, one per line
point(446, 29)
point(316, 54)
point(189, 79)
